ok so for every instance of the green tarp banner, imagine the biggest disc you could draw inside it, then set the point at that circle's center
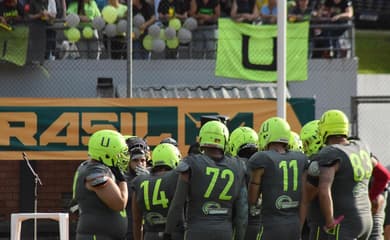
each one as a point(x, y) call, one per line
point(14, 45)
point(249, 52)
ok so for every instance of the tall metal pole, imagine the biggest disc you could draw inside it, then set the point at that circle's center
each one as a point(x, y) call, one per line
point(129, 73)
point(37, 180)
point(281, 59)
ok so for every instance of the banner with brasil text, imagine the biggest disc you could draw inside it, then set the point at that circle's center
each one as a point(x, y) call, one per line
point(59, 129)
point(249, 52)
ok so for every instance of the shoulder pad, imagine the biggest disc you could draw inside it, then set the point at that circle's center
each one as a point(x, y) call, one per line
point(182, 167)
point(328, 156)
point(313, 169)
point(97, 179)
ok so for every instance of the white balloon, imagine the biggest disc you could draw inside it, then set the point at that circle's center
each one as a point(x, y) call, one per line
point(170, 33)
point(138, 20)
point(154, 31)
point(122, 26)
point(72, 20)
point(98, 23)
point(190, 24)
point(158, 45)
point(110, 30)
point(184, 35)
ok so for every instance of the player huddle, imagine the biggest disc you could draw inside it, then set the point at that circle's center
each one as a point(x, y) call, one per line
point(274, 184)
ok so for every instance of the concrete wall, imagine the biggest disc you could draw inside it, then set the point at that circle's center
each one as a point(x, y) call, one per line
point(330, 82)
point(373, 119)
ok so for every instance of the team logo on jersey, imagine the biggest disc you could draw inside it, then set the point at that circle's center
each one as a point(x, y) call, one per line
point(213, 208)
point(285, 202)
point(154, 218)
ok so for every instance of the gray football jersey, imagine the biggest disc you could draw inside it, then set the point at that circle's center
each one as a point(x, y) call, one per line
point(95, 216)
point(280, 184)
point(154, 194)
point(350, 184)
point(254, 216)
point(214, 188)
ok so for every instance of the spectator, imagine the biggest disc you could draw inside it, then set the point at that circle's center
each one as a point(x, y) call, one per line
point(276, 174)
point(100, 188)
point(87, 11)
point(11, 11)
point(101, 4)
point(345, 170)
point(213, 186)
point(226, 7)
point(244, 11)
point(42, 13)
point(160, 184)
point(144, 9)
point(261, 3)
point(168, 9)
point(301, 12)
point(121, 8)
point(117, 45)
point(206, 12)
point(334, 12)
point(269, 12)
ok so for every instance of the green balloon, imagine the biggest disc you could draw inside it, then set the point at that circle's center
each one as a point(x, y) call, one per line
point(174, 23)
point(109, 14)
point(87, 32)
point(162, 34)
point(73, 34)
point(147, 42)
point(173, 43)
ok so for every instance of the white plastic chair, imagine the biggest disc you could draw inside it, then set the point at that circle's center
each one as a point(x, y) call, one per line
point(18, 218)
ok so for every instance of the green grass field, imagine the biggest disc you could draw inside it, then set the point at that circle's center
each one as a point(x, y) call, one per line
point(373, 50)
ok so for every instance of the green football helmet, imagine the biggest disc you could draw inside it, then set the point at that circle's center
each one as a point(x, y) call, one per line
point(110, 148)
point(333, 122)
point(242, 137)
point(165, 154)
point(214, 134)
point(295, 142)
point(310, 137)
point(274, 129)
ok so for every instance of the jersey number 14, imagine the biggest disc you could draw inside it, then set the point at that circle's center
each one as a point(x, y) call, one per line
point(158, 197)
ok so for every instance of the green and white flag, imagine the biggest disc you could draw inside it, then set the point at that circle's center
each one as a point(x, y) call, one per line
point(249, 52)
point(14, 45)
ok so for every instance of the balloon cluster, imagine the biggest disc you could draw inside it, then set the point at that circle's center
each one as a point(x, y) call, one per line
point(107, 23)
point(158, 38)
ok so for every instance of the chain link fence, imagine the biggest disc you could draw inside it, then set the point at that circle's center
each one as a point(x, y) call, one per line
point(27, 42)
point(370, 122)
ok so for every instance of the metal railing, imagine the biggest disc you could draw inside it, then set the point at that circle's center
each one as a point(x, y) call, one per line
point(103, 47)
point(332, 39)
